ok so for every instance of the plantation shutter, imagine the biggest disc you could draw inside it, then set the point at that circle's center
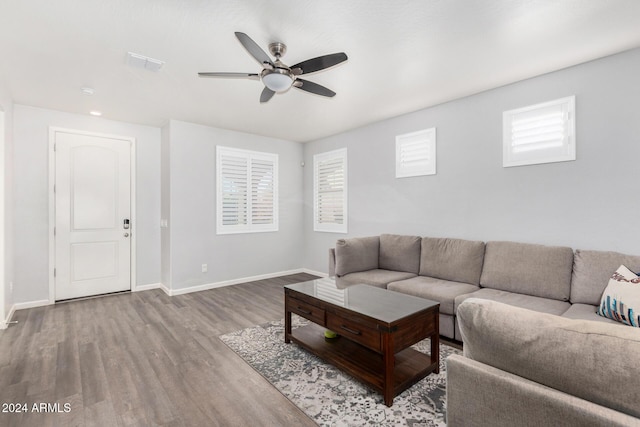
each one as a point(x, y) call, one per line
point(330, 191)
point(415, 153)
point(234, 190)
point(539, 129)
point(541, 133)
point(247, 191)
point(262, 192)
point(330, 213)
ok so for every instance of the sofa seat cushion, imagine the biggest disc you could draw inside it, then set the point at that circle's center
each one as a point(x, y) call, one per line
point(592, 271)
point(544, 305)
point(357, 254)
point(594, 361)
point(443, 291)
point(378, 277)
point(452, 259)
point(400, 253)
point(586, 312)
point(538, 270)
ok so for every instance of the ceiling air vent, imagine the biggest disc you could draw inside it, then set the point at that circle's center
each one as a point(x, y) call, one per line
point(141, 61)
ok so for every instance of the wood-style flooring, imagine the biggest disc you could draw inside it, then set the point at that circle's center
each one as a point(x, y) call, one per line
point(143, 359)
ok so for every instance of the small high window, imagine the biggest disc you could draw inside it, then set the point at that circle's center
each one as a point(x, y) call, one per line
point(416, 153)
point(541, 133)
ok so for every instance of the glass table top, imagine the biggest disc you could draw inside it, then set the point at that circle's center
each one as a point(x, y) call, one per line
point(382, 304)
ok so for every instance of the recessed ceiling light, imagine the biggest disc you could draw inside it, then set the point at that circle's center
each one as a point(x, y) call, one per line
point(95, 113)
point(88, 90)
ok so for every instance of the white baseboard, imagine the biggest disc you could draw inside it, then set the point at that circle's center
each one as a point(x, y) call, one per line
point(151, 286)
point(165, 289)
point(5, 323)
point(207, 286)
point(22, 306)
point(148, 287)
point(31, 304)
point(315, 273)
point(172, 292)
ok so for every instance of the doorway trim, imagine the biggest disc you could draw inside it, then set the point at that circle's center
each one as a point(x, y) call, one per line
point(52, 202)
point(3, 284)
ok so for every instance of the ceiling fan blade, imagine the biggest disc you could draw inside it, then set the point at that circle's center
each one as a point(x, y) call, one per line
point(253, 48)
point(320, 63)
point(232, 75)
point(266, 95)
point(314, 88)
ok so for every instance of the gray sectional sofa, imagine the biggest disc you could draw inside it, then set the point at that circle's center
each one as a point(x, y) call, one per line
point(548, 279)
point(535, 351)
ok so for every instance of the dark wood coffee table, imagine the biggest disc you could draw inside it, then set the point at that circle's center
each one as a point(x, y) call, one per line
point(376, 328)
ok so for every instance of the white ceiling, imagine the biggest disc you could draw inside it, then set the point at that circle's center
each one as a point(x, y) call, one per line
point(403, 55)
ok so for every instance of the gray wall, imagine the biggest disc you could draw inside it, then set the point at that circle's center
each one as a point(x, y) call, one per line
point(591, 203)
point(6, 105)
point(165, 207)
point(193, 210)
point(31, 202)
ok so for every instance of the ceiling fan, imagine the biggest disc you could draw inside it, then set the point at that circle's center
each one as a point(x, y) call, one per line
point(278, 77)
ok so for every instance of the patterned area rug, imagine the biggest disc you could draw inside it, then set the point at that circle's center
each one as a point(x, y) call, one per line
point(330, 397)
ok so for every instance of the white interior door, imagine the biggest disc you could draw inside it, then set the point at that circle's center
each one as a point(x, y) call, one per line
point(92, 215)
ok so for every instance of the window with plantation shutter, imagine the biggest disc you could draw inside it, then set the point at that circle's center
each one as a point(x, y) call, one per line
point(416, 153)
point(330, 191)
point(541, 133)
point(247, 191)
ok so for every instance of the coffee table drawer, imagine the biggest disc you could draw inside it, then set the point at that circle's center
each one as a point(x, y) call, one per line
point(306, 310)
point(354, 331)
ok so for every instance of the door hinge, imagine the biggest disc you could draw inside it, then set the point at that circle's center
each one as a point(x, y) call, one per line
point(54, 147)
point(54, 272)
point(54, 188)
point(54, 231)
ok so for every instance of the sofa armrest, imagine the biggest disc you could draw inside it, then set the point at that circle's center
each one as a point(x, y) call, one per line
point(481, 395)
point(332, 262)
point(356, 254)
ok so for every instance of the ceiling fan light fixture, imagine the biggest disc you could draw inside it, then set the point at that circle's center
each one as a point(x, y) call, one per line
point(276, 76)
point(277, 82)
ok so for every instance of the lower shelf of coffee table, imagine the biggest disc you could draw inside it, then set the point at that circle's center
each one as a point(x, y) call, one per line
point(360, 362)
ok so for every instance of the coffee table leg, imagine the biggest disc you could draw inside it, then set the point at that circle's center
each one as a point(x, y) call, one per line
point(389, 365)
point(287, 324)
point(435, 350)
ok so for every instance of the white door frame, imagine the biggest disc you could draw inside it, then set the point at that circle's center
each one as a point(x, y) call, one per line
point(2, 219)
point(52, 203)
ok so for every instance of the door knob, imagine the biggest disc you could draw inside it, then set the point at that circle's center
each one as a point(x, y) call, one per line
point(126, 234)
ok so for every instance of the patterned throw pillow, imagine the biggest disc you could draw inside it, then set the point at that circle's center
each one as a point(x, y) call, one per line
point(621, 298)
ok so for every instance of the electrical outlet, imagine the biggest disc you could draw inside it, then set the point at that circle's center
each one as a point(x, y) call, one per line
point(204, 268)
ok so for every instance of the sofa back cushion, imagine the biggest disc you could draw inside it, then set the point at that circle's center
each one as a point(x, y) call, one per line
point(592, 271)
point(400, 253)
point(357, 254)
point(538, 270)
point(452, 259)
point(591, 360)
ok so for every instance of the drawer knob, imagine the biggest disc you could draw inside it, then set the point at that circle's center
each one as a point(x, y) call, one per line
point(353, 331)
